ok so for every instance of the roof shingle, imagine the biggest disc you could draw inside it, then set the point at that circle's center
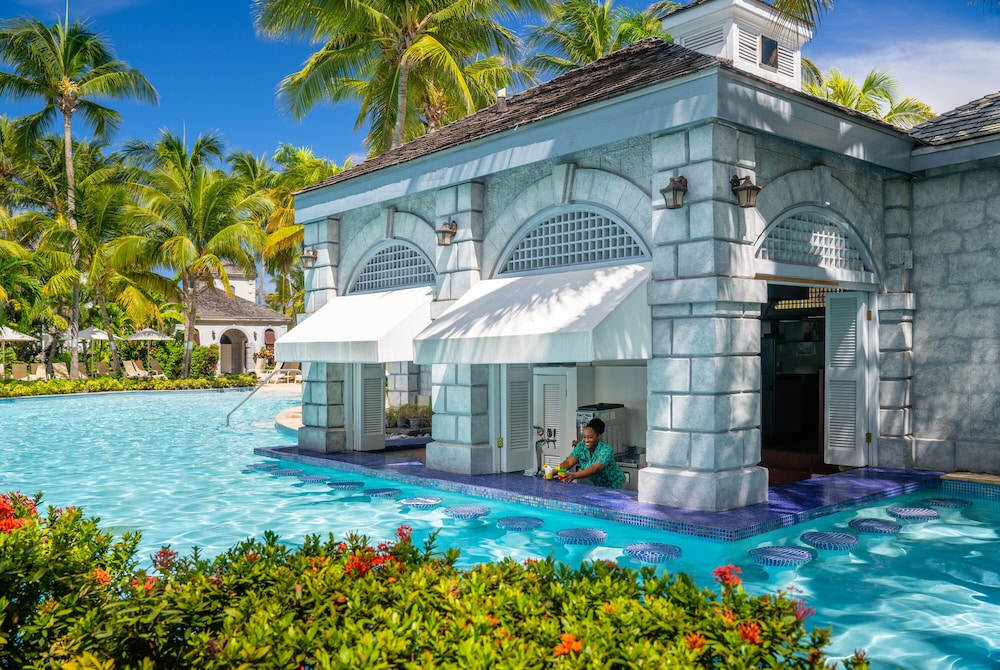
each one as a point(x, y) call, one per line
point(974, 120)
point(215, 304)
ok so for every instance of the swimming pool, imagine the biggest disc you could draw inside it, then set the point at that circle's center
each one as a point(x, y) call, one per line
point(166, 464)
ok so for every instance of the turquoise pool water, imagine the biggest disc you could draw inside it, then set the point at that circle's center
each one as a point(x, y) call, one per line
point(166, 464)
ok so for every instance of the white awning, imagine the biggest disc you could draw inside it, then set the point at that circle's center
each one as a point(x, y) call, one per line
point(360, 328)
point(595, 314)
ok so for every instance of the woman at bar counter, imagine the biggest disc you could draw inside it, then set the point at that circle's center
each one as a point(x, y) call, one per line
point(596, 459)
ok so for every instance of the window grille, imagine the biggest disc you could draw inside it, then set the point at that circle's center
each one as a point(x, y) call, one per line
point(815, 300)
point(576, 237)
point(810, 239)
point(394, 266)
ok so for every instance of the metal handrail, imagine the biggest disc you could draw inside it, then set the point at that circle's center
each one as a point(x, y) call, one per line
point(255, 389)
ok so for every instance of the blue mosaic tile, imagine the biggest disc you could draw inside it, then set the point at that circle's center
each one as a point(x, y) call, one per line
point(780, 556)
point(830, 541)
point(260, 466)
point(582, 536)
point(875, 526)
point(653, 552)
point(345, 484)
point(952, 503)
point(382, 493)
point(519, 523)
point(913, 513)
point(974, 489)
point(287, 472)
point(420, 502)
point(467, 511)
point(313, 479)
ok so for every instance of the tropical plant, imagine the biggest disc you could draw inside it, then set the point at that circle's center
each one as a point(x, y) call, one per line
point(875, 96)
point(194, 219)
point(582, 31)
point(391, 57)
point(75, 597)
point(68, 67)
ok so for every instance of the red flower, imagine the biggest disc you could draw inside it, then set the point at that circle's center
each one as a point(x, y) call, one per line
point(404, 532)
point(695, 641)
point(147, 585)
point(7, 525)
point(102, 576)
point(750, 632)
point(568, 645)
point(803, 611)
point(727, 575)
point(164, 559)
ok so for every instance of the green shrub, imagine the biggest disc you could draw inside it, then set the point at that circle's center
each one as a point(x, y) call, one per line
point(18, 389)
point(74, 599)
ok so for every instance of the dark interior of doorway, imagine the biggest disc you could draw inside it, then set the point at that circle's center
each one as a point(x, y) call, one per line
point(793, 330)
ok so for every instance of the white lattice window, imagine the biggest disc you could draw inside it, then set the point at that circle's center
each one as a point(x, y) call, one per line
point(395, 265)
point(811, 239)
point(574, 237)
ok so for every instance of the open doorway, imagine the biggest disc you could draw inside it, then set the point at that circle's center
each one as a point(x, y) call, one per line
point(793, 351)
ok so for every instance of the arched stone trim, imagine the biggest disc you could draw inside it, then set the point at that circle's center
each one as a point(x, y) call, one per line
point(628, 204)
point(813, 243)
point(408, 229)
point(390, 265)
point(818, 191)
point(571, 235)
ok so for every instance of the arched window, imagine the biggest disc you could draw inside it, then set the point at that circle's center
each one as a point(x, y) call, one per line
point(393, 265)
point(812, 243)
point(572, 237)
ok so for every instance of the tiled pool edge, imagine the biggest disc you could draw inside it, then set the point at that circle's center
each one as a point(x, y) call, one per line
point(786, 507)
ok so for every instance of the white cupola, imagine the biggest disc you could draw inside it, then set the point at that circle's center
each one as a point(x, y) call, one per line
point(749, 33)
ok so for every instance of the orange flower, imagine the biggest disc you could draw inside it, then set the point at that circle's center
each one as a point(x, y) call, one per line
point(727, 616)
point(102, 576)
point(492, 620)
point(147, 585)
point(695, 641)
point(750, 632)
point(727, 575)
point(609, 608)
point(569, 645)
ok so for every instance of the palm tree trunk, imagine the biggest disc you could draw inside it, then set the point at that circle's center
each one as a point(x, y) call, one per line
point(397, 133)
point(190, 306)
point(106, 322)
point(74, 321)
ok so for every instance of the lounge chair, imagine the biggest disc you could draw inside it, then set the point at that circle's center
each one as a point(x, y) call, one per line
point(19, 372)
point(132, 372)
point(81, 370)
point(150, 374)
point(3, 371)
point(260, 368)
point(38, 373)
point(60, 371)
point(156, 369)
point(287, 372)
point(102, 369)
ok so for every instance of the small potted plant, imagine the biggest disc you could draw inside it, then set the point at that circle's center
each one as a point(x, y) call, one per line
point(391, 417)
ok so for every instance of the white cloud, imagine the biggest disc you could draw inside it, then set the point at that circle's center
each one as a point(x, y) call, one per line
point(944, 73)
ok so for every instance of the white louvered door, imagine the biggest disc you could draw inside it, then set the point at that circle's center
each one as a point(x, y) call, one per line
point(846, 414)
point(370, 425)
point(518, 437)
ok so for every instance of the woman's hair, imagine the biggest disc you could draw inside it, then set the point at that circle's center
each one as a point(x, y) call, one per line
point(596, 425)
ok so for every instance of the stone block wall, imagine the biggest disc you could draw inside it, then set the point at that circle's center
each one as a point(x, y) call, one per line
point(956, 324)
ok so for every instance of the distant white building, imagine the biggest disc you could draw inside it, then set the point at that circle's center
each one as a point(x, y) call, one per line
point(237, 323)
point(851, 316)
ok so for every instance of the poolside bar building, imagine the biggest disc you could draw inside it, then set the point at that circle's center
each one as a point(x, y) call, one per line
point(678, 236)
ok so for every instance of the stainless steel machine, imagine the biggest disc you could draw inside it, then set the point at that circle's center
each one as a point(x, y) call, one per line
point(613, 415)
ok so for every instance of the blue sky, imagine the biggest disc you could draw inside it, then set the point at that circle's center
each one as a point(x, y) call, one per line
point(214, 74)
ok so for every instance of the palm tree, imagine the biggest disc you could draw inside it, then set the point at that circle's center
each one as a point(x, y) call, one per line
point(68, 67)
point(195, 219)
point(875, 96)
point(376, 53)
point(582, 31)
point(104, 195)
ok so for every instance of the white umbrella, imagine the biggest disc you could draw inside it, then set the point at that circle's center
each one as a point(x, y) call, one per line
point(11, 335)
point(92, 334)
point(148, 335)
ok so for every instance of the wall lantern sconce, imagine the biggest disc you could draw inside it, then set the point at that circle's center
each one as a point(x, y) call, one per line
point(309, 258)
point(446, 233)
point(673, 193)
point(745, 191)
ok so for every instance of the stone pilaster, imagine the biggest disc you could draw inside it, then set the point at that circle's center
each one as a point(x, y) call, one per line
point(461, 420)
point(703, 407)
point(321, 279)
point(403, 383)
point(895, 388)
point(323, 426)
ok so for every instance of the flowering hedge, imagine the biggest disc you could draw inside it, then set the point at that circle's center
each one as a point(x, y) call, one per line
point(19, 389)
point(73, 598)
